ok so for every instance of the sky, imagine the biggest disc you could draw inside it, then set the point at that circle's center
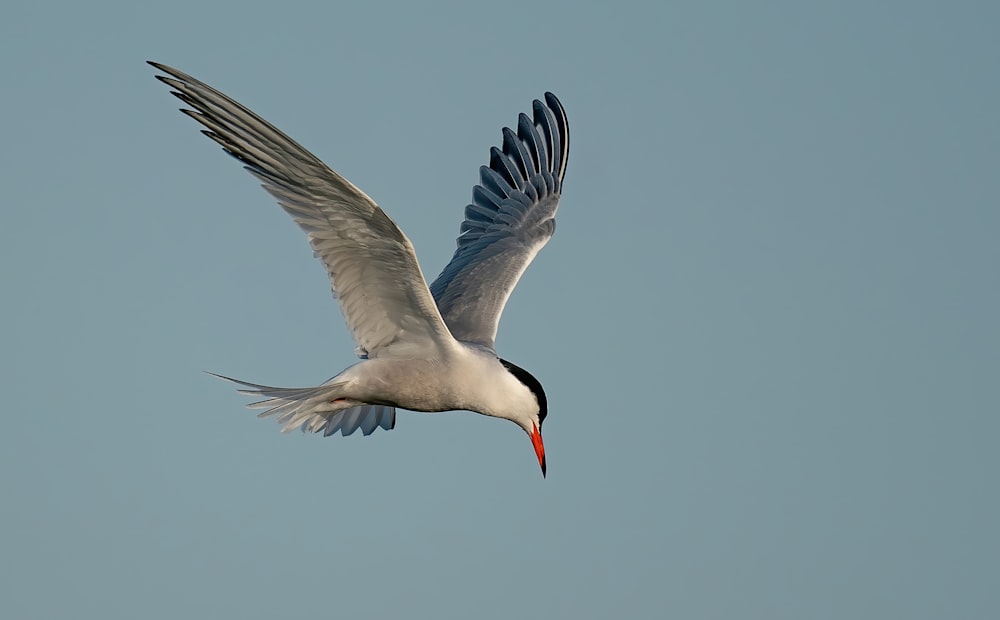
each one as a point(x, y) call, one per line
point(766, 325)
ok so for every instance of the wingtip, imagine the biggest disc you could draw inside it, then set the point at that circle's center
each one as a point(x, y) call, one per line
point(159, 66)
point(218, 376)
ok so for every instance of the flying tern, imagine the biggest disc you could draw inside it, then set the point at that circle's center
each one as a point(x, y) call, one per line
point(421, 348)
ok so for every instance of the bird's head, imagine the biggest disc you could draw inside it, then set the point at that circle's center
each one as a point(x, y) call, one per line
point(531, 420)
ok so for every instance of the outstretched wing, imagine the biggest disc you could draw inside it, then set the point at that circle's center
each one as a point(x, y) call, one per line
point(511, 217)
point(372, 266)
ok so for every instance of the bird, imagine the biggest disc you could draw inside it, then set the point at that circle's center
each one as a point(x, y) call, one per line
point(421, 348)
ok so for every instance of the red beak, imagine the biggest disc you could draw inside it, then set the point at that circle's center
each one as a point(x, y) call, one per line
point(536, 441)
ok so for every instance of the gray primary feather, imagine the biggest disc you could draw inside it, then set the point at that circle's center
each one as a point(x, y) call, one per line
point(512, 215)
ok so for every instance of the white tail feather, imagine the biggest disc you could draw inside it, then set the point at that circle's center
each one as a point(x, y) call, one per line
point(317, 409)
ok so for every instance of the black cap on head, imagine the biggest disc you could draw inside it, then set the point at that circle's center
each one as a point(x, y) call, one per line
point(532, 384)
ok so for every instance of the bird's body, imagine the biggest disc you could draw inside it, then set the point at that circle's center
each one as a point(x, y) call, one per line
point(465, 378)
point(423, 348)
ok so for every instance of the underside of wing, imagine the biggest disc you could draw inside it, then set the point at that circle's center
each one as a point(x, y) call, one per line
point(512, 215)
point(372, 266)
point(365, 418)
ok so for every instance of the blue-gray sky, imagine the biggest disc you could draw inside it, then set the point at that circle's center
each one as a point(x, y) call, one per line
point(767, 324)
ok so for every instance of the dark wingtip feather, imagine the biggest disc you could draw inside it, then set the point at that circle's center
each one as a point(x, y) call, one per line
point(557, 109)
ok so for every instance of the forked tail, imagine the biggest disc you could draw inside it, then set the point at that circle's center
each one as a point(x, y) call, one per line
point(317, 409)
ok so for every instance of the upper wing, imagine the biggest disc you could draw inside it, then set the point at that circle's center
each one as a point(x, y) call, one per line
point(511, 217)
point(372, 265)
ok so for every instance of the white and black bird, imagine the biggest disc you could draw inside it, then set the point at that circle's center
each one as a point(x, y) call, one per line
point(422, 348)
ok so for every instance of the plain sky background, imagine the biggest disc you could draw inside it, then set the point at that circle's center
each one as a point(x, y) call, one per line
point(767, 324)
